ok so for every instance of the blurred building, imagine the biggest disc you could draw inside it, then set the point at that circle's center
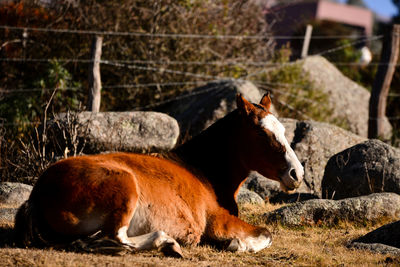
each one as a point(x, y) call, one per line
point(288, 18)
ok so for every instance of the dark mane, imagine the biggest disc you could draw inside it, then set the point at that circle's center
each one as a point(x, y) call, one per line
point(213, 133)
point(201, 150)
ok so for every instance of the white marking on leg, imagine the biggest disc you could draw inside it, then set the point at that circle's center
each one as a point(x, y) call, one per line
point(122, 235)
point(255, 244)
point(151, 240)
point(250, 244)
point(236, 245)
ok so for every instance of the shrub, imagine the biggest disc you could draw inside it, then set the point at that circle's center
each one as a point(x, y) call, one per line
point(295, 96)
point(24, 160)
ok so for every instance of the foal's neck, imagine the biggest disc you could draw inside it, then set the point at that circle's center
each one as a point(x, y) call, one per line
point(215, 154)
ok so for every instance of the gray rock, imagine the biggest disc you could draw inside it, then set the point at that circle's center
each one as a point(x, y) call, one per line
point(14, 193)
point(270, 190)
point(264, 187)
point(369, 167)
point(376, 247)
point(372, 208)
point(315, 143)
point(206, 104)
point(388, 234)
point(8, 214)
point(247, 196)
point(349, 101)
point(126, 131)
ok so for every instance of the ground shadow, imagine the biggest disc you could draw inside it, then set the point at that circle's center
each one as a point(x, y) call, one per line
point(282, 197)
point(6, 236)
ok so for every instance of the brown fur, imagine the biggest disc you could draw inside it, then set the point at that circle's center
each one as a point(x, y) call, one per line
point(191, 198)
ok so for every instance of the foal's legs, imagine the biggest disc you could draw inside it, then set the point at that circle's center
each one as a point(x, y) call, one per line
point(155, 240)
point(117, 224)
point(242, 236)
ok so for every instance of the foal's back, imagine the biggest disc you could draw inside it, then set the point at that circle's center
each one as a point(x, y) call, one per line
point(79, 196)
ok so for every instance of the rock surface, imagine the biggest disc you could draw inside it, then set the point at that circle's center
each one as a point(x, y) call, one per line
point(376, 247)
point(363, 209)
point(388, 234)
point(14, 193)
point(270, 190)
point(126, 131)
point(247, 196)
point(209, 103)
point(264, 187)
point(7, 215)
point(349, 101)
point(385, 239)
point(369, 167)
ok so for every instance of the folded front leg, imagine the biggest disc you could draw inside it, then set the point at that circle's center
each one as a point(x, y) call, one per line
point(241, 236)
point(154, 240)
point(157, 240)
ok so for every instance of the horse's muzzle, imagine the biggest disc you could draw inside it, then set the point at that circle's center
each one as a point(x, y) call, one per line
point(292, 179)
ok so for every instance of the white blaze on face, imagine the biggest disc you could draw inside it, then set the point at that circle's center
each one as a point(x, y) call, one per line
point(271, 123)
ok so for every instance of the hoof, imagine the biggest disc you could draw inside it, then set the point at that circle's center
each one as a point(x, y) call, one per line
point(236, 245)
point(171, 249)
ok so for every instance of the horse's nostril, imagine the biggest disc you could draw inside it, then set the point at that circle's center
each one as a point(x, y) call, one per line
point(292, 174)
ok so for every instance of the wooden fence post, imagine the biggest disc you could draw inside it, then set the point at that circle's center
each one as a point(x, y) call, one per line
point(94, 75)
point(306, 42)
point(24, 41)
point(381, 86)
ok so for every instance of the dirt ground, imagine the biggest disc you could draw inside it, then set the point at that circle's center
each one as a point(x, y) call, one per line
point(303, 246)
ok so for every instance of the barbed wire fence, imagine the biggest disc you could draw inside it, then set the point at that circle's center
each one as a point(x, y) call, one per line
point(159, 66)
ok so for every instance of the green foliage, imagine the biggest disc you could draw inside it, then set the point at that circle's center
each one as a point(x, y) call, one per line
point(21, 108)
point(295, 95)
point(347, 58)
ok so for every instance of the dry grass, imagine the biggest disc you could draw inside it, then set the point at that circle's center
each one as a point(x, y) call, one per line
point(300, 247)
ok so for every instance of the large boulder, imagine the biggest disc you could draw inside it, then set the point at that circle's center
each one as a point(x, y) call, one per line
point(7, 215)
point(372, 208)
point(366, 168)
point(388, 234)
point(14, 194)
point(376, 247)
point(271, 191)
point(348, 100)
point(136, 131)
point(207, 104)
point(263, 186)
point(247, 196)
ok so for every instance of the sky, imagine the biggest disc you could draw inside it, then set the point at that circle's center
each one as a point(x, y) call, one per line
point(382, 7)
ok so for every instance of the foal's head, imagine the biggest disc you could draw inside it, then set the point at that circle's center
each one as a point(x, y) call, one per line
point(266, 149)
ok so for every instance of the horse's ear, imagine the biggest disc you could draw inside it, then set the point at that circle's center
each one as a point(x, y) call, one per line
point(243, 105)
point(266, 101)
